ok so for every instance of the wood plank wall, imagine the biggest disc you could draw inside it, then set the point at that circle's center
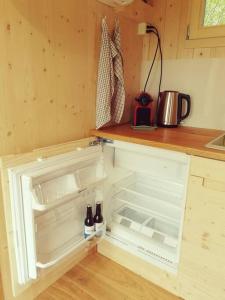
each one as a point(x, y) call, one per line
point(48, 58)
point(171, 17)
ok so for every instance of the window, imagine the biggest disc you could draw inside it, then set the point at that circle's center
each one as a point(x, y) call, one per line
point(207, 19)
point(214, 14)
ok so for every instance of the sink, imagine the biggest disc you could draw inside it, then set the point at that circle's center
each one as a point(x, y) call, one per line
point(217, 143)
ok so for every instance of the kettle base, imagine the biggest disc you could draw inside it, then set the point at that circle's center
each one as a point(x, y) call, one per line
point(167, 126)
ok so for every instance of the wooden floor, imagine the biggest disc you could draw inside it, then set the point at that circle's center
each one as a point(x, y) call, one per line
point(98, 278)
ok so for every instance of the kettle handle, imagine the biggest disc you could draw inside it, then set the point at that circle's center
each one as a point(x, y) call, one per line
point(187, 98)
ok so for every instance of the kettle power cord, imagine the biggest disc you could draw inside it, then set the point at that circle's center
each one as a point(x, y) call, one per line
point(152, 29)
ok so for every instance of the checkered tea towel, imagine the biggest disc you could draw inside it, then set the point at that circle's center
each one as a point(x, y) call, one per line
point(110, 89)
point(105, 87)
point(118, 100)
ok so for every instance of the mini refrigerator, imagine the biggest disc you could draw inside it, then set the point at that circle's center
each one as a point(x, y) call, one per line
point(142, 190)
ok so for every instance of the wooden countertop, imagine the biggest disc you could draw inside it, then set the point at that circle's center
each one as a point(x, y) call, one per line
point(189, 140)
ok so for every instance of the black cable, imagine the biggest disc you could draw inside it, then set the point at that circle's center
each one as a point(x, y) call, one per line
point(150, 70)
point(160, 82)
point(154, 30)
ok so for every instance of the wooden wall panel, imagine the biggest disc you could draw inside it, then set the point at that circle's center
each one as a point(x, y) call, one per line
point(202, 52)
point(173, 29)
point(49, 57)
point(220, 52)
point(157, 19)
point(172, 21)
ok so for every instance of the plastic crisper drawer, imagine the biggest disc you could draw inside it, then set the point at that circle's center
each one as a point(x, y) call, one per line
point(146, 224)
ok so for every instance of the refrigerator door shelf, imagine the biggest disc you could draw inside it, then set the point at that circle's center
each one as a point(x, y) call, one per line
point(55, 187)
point(78, 244)
point(44, 207)
point(60, 231)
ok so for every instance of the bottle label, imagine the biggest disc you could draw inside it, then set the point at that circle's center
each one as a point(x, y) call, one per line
point(98, 226)
point(88, 230)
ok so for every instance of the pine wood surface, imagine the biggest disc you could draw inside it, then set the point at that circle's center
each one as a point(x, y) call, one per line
point(1, 289)
point(49, 68)
point(202, 274)
point(98, 278)
point(172, 18)
point(189, 140)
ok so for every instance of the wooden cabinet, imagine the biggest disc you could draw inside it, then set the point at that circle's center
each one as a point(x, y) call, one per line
point(202, 268)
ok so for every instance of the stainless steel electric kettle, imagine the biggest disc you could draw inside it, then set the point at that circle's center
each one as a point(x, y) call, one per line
point(173, 107)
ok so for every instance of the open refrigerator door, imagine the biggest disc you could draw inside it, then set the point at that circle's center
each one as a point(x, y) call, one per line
point(48, 200)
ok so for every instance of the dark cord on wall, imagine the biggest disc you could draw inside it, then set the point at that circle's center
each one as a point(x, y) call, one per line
point(154, 30)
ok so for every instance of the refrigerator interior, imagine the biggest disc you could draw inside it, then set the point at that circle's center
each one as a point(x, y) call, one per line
point(147, 203)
